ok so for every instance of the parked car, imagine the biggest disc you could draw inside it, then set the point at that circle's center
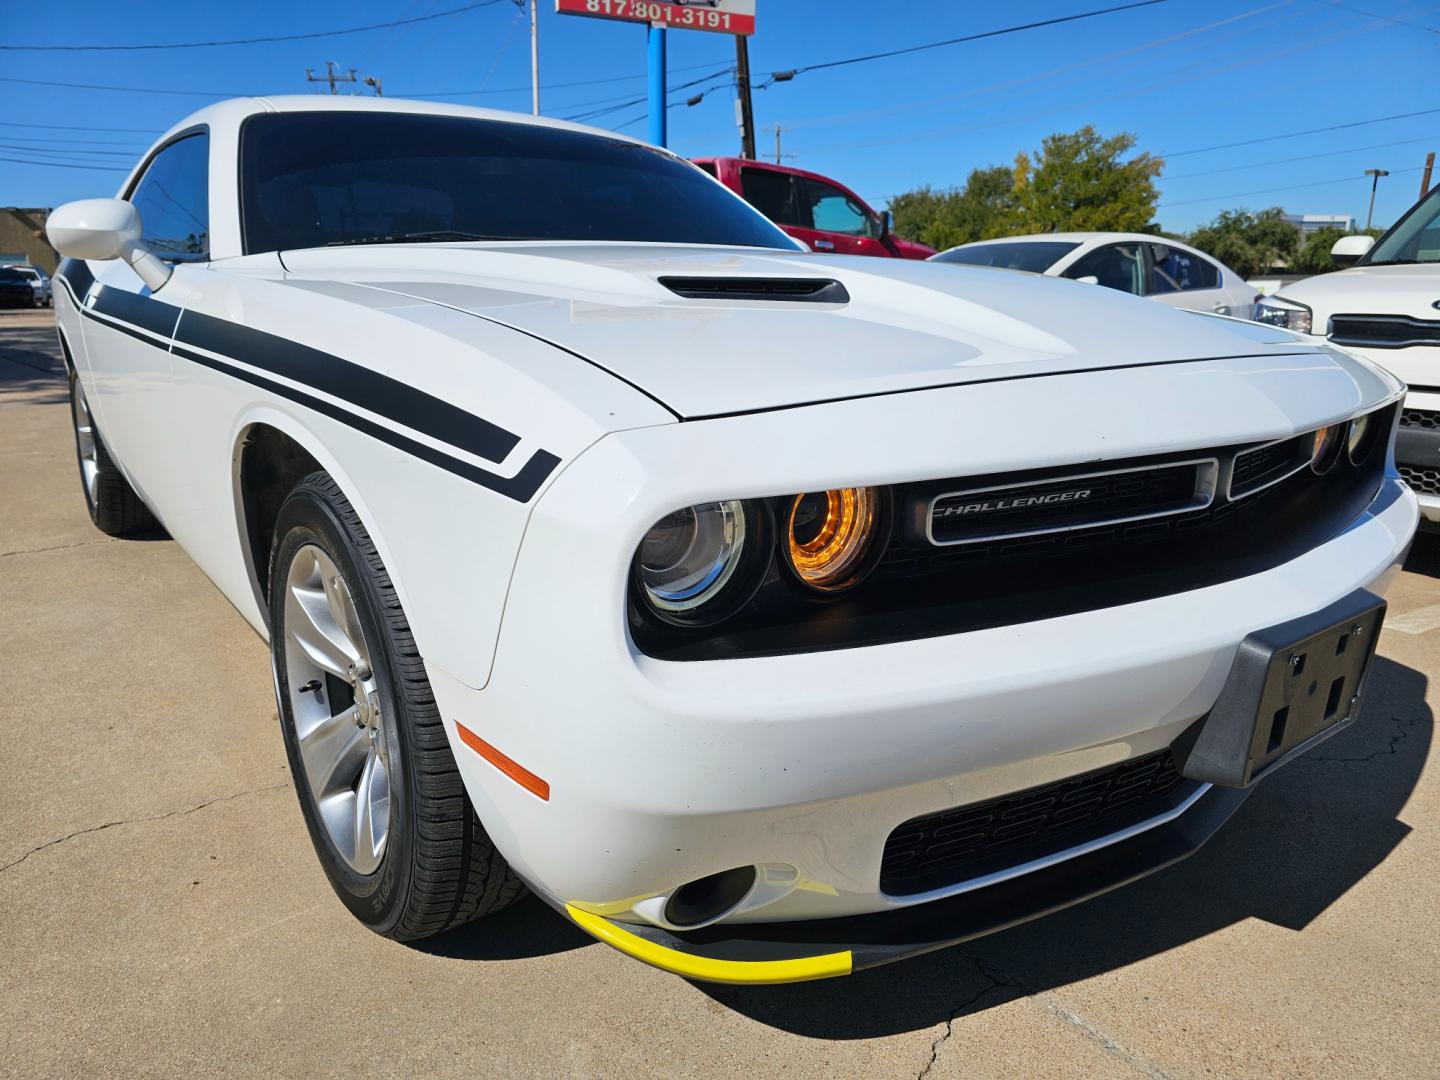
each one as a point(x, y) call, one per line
point(39, 284)
point(1385, 307)
point(1164, 270)
point(16, 289)
point(821, 213)
point(606, 542)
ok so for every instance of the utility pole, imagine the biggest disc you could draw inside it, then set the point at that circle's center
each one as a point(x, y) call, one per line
point(1374, 183)
point(778, 155)
point(658, 120)
point(374, 84)
point(534, 59)
point(1425, 176)
point(330, 76)
point(744, 114)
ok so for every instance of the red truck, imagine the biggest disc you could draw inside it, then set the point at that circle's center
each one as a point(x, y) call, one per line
point(814, 209)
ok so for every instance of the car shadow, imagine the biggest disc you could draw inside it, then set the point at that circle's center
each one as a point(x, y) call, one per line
point(525, 929)
point(30, 363)
point(1305, 837)
point(1424, 557)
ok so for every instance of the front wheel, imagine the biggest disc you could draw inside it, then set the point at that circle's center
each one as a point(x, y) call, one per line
point(382, 799)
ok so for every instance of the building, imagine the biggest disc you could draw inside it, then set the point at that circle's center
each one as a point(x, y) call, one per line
point(1309, 223)
point(22, 238)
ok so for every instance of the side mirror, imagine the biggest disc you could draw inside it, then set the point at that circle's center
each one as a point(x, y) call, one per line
point(887, 223)
point(104, 229)
point(1348, 250)
point(1088, 279)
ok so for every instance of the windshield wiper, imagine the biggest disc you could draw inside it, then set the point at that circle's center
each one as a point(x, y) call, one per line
point(427, 237)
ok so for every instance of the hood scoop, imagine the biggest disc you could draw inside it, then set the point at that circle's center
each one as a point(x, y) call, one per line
point(809, 290)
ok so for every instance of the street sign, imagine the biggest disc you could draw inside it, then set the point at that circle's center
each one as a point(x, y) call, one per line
point(719, 16)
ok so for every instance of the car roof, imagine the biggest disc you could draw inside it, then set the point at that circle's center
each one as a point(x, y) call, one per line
point(1073, 237)
point(770, 166)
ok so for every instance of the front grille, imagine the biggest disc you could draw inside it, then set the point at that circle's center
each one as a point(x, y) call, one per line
point(1384, 331)
point(1425, 481)
point(1420, 418)
point(943, 849)
point(1264, 465)
point(1076, 501)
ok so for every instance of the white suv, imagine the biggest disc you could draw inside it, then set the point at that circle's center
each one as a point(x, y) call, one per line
point(1386, 307)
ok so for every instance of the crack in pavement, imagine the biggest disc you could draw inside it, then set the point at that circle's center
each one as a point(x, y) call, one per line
point(58, 547)
point(1400, 736)
point(138, 820)
point(998, 980)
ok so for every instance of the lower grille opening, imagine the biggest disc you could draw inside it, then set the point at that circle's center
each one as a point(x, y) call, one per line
point(1425, 481)
point(967, 842)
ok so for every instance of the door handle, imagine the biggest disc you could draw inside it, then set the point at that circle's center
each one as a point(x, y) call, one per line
point(824, 245)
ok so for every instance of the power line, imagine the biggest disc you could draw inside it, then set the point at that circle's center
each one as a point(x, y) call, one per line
point(1269, 191)
point(77, 127)
point(69, 150)
point(1386, 18)
point(1297, 134)
point(1303, 157)
point(548, 85)
point(129, 89)
point(256, 40)
point(785, 76)
point(67, 165)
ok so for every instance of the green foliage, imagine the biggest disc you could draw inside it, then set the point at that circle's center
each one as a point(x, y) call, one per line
point(1314, 255)
point(1081, 183)
point(1249, 244)
point(982, 209)
point(1075, 182)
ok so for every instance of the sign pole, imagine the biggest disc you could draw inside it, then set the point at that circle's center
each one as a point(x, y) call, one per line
point(656, 35)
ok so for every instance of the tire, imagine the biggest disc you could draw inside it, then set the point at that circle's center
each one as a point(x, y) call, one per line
point(434, 868)
point(113, 506)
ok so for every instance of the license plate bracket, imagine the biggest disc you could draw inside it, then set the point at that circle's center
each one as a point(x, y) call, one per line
point(1290, 687)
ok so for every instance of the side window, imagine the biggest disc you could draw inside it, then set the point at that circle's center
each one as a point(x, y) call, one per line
point(1116, 266)
point(772, 193)
point(173, 198)
point(1173, 270)
point(832, 210)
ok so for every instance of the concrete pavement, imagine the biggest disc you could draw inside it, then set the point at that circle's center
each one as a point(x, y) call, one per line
point(162, 914)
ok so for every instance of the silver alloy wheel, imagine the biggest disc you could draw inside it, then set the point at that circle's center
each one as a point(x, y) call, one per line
point(85, 443)
point(344, 738)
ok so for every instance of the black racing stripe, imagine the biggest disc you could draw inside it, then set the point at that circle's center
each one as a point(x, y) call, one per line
point(124, 328)
point(358, 385)
point(76, 274)
point(142, 311)
point(521, 487)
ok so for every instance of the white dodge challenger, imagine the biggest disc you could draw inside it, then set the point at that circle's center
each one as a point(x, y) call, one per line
point(770, 615)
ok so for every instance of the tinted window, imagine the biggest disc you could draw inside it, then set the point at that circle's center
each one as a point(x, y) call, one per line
point(1173, 270)
point(1116, 266)
point(6, 274)
point(310, 179)
point(772, 193)
point(1034, 257)
point(173, 198)
point(1415, 238)
point(831, 210)
point(706, 167)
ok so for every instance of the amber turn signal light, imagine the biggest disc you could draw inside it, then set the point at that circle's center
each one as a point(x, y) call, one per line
point(828, 535)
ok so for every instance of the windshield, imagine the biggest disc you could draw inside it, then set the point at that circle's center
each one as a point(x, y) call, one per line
point(1415, 238)
point(318, 178)
point(1034, 256)
point(7, 274)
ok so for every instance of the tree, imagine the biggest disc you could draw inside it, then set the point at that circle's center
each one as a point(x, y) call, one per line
point(1082, 182)
point(1314, 254)
point(982, 209)
point(1249, 243)
point(1079, 181)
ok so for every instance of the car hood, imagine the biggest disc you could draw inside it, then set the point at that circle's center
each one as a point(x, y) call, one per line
point(1370, 290)
point(905, 326)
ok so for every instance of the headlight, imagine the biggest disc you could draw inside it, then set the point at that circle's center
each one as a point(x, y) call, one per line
point(1274, 311)
point(828, 535)
point(1326, 449)
point(1361, 438)
point(688, 557)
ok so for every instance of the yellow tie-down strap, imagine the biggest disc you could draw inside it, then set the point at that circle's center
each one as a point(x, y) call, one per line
point(708, 969)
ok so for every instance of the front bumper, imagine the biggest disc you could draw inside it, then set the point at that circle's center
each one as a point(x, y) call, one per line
point(757, 953)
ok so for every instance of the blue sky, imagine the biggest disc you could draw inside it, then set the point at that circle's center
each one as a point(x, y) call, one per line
point(1182, 75)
